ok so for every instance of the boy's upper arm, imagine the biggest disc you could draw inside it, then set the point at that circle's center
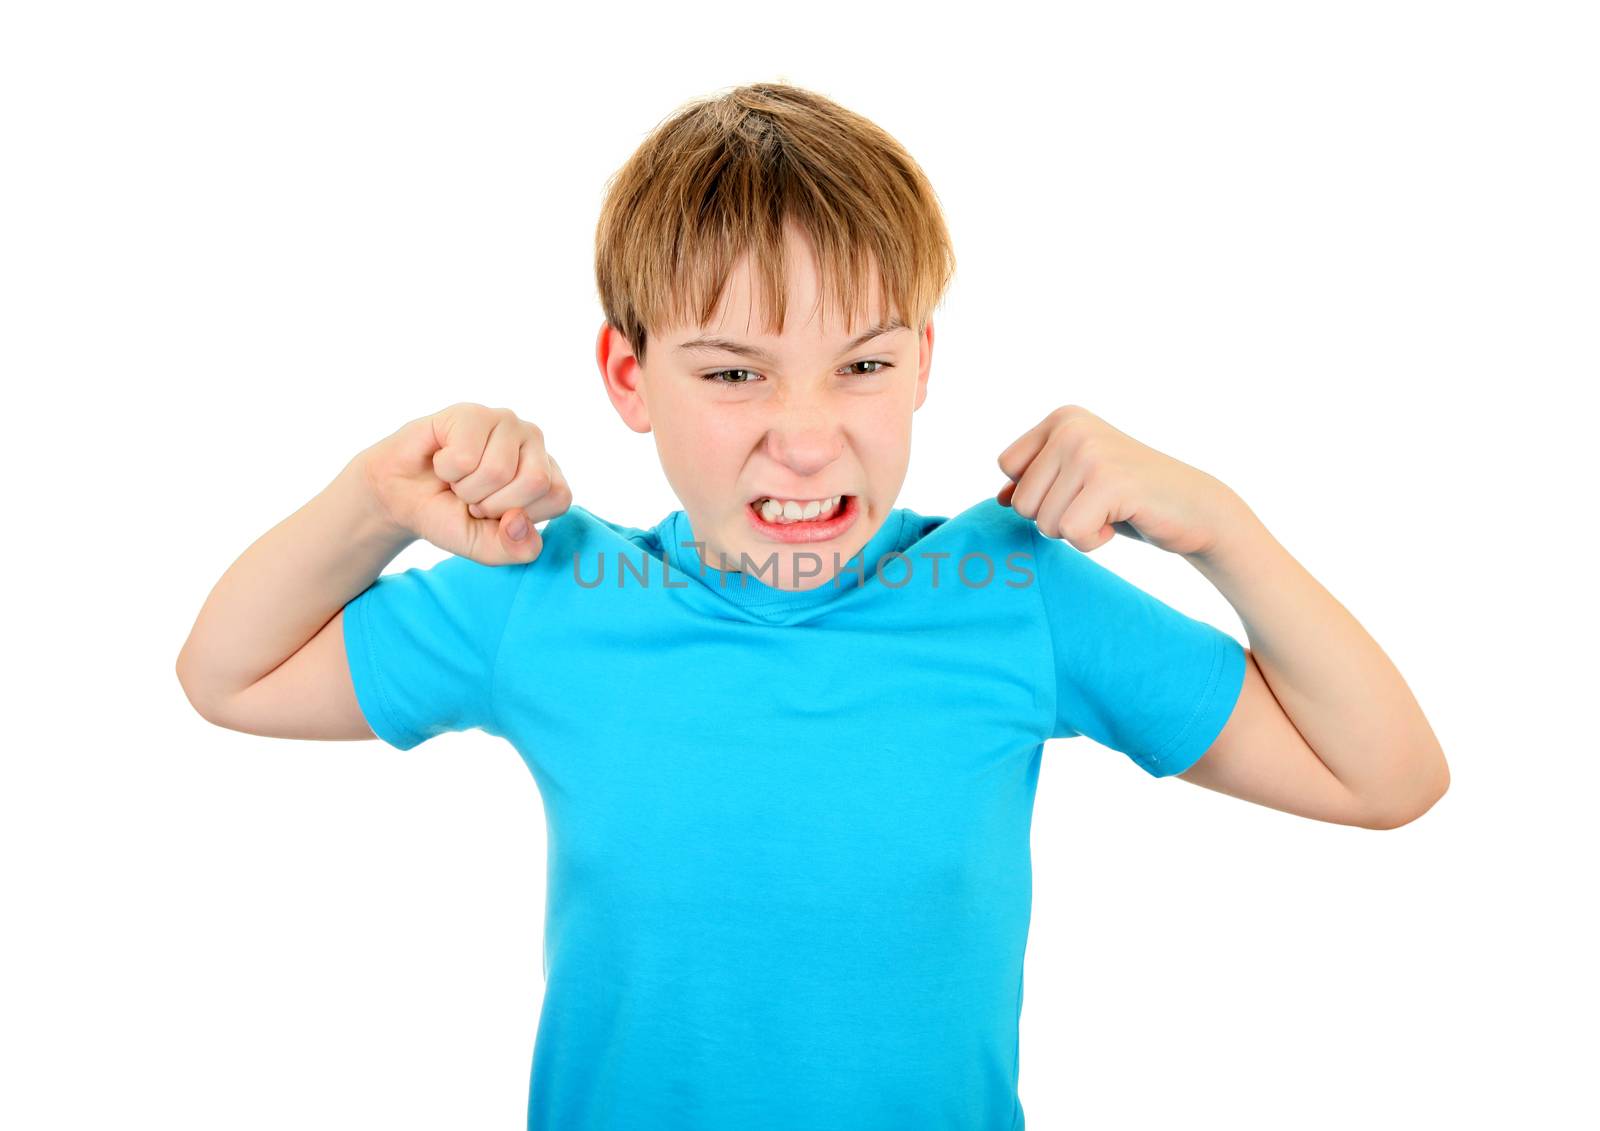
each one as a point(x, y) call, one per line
point(1262, 758)
point(1131, 672)
point(309, 695)
point(422, 647)
point(411, 656)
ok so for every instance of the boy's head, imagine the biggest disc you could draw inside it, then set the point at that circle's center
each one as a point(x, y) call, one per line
point(771, 218)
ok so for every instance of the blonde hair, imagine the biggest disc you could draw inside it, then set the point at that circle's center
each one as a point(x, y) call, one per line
point(722, 176)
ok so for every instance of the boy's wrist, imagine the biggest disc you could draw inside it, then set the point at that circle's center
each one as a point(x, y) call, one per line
point(373, 523)
point(1245, 552)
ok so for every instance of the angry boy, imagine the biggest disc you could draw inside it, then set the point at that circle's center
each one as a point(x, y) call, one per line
point(787, 738)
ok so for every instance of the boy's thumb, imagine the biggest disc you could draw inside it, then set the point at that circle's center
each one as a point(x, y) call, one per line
point(518, 539)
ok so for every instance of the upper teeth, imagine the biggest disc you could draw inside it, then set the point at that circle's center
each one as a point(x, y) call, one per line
point(788, 510)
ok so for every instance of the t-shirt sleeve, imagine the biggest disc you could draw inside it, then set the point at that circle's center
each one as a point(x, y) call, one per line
point(421, 646)
point(1131, 672)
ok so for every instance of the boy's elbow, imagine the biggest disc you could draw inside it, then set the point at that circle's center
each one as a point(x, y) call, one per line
point(201, 704)
point(1404, 815)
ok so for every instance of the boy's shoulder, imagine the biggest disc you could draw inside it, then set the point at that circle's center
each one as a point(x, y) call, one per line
point(578, 527)
point(986, 526)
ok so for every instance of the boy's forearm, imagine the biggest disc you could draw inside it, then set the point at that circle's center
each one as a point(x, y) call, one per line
point(286, 586)
point(1335, 683)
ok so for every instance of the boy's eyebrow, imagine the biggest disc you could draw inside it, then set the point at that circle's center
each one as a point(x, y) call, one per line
point(728, 346)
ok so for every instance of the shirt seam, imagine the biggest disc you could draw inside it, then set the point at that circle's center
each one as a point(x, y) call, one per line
point(1201, 706)
point(1152, 763)
point(499, 649)
point(1016, 1053)
point(1049, 628)
point(386, 704)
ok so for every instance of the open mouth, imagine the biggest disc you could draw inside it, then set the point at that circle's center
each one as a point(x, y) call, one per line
point(829, 518)
point(788, 511)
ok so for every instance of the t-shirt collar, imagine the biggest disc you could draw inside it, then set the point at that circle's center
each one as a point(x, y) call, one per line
point(749, 590)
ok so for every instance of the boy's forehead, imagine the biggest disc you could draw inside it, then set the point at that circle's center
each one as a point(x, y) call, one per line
point(801, 325)
point(741, 316)
point(811, 312)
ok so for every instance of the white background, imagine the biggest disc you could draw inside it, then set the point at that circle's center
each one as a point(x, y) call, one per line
point(1341, 256)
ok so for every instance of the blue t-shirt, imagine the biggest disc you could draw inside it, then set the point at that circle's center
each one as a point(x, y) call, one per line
point(789, 879)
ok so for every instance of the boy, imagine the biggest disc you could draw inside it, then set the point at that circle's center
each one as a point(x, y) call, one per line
point(789, 876)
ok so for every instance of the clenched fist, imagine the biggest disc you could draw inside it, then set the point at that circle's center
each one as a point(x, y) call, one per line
point(471, 480)
point(1083, 481)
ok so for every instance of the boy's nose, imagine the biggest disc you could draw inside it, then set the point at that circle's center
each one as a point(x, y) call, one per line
point(805, 442)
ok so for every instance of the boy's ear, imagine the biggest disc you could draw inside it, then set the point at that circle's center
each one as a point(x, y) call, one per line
point(623, 377)
point(924, 362)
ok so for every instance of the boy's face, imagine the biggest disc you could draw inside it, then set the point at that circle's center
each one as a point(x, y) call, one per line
point(812, 415)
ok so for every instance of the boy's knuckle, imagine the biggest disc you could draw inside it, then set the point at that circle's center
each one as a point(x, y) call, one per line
point(448, 464)
point(498, 469)
point(1078, 421)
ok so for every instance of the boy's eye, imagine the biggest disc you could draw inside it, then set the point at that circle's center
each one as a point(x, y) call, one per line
point(716, 375)
point(720, 372)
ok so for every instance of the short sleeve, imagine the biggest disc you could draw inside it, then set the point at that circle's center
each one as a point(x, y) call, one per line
point(1131, 672)
point(421, 647)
